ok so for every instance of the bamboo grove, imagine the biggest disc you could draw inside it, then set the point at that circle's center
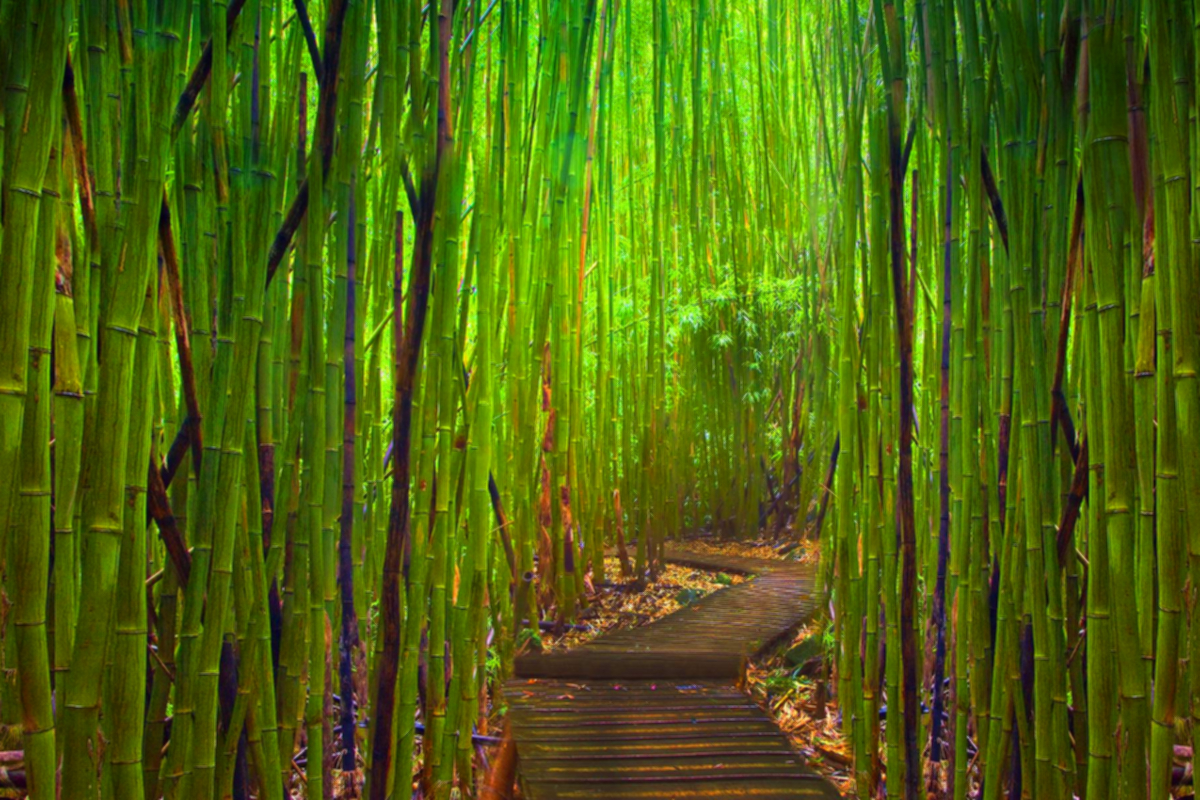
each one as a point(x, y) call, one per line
point(1015, 247)
point(339, 339)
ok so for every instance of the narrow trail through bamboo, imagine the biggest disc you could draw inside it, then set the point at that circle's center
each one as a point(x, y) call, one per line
point(658, 711)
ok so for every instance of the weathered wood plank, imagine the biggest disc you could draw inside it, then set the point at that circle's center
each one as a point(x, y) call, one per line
point(809, 788)
point(587, 664)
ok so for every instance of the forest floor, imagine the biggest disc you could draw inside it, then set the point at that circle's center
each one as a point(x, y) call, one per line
point(617, 607)
point(789, 694)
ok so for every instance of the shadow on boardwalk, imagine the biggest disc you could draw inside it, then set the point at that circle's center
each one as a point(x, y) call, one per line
point(658, 711)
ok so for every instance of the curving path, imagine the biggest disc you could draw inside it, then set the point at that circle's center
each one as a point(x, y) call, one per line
point(657, 711)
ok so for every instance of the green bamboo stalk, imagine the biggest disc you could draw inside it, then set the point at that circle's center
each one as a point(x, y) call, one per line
point(1106, 169)
point(29, 542)
point(125, 696)
point(105, 469)
point(28, 148)
point(1171, 228)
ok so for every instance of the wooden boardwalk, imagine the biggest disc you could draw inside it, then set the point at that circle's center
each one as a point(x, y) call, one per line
point(657, 711)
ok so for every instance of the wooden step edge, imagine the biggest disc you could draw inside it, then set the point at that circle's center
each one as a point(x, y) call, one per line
point(586, 665)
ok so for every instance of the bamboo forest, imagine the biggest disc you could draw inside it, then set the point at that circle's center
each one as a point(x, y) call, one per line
point(599, 399)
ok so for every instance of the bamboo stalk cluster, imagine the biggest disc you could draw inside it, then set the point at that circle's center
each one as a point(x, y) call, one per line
point(309, 420)
point(338, 341)
point(1039, 339)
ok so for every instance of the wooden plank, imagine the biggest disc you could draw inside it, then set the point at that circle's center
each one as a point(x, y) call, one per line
point(585, 664)
point(711, 754)
point(678, 747)
point(538, 714)
point(749, 767)
point(705, 789)
point(660, 729)
point(545, 690)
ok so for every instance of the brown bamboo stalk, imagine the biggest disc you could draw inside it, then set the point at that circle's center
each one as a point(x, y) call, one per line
point(326, 119)
point(200, 73)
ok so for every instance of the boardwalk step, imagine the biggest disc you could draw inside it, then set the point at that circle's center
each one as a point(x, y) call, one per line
point(588, 664)
point(657, 712)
